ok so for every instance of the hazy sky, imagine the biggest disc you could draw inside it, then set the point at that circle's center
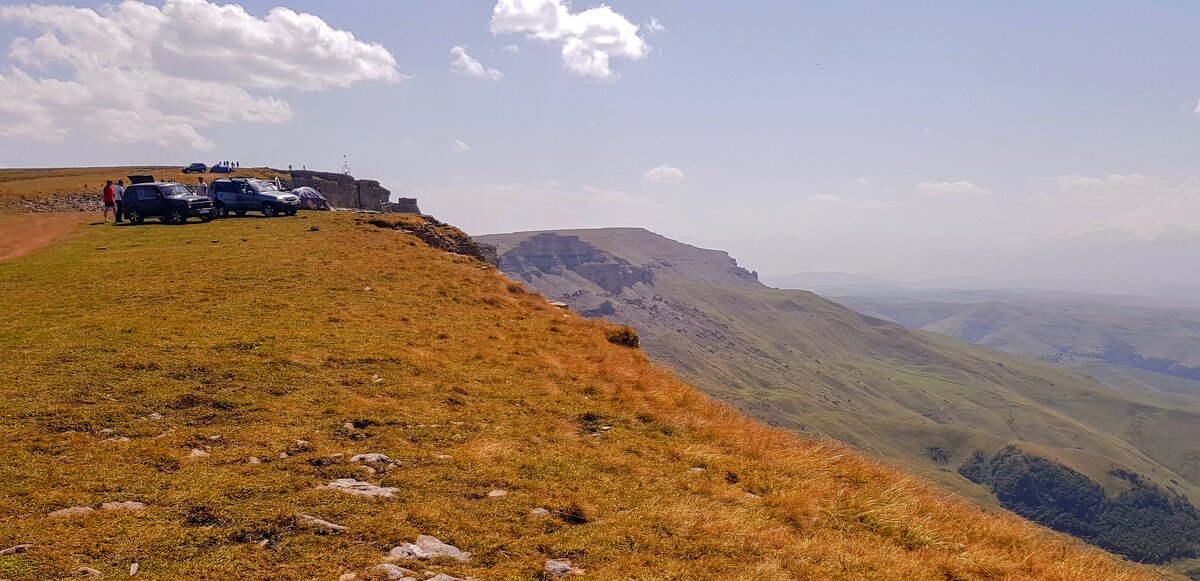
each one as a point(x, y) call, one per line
point(707, 121)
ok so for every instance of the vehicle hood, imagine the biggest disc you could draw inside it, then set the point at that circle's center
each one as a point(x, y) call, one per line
point(281, 195)
point(190, 199)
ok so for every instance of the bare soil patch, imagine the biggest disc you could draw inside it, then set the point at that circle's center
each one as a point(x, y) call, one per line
point(21, 234)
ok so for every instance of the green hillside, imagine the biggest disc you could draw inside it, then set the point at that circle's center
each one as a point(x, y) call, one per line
point(793, 359)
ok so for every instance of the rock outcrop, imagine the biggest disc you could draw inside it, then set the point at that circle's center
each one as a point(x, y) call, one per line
point(343, 191)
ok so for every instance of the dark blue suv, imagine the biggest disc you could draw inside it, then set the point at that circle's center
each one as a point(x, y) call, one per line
point(173, 203)
point(195, 168)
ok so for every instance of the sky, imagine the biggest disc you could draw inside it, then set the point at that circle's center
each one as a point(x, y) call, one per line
point(740, 125)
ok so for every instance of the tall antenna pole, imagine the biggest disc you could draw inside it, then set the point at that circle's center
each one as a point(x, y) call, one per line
point(345, 165)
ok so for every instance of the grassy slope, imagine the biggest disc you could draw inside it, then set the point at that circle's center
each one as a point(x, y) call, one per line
point(271, 335)
point(794, 359)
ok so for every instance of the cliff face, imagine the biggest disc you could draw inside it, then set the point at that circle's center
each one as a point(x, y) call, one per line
point(556, 254)
point(343, 191)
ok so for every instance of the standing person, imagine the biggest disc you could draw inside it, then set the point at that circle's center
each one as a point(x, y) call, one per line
point(109, 198)
point(118, 196)
point(202, 188)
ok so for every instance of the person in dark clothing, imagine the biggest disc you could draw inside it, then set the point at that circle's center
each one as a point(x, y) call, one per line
point(118, 196)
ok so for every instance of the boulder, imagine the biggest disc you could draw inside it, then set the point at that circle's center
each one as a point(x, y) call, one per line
point(314, 522)
point(126, 505)
point(561, 568)
point(391, 571)
point(352, 486)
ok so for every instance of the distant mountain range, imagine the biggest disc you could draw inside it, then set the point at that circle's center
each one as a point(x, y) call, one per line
point(792, 358)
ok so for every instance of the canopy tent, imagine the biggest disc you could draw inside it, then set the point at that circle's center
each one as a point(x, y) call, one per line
point(311, 199)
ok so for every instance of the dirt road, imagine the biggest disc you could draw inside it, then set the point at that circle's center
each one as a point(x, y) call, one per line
point(21, 234)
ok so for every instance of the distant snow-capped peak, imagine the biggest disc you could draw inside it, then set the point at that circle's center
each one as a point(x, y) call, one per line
point(1177, 211)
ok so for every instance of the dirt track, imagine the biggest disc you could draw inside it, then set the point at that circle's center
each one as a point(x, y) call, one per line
point(21, 234)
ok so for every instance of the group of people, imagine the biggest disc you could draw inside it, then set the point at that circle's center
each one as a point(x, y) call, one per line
point(113, 195)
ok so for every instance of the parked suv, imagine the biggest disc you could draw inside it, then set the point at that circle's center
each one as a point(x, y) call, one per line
point(195, 168)
point(172, 202)
point(241, 195)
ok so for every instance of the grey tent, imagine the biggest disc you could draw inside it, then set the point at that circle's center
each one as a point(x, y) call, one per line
point(311, 199)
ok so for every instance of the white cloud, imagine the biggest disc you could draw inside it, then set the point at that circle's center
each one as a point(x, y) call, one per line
point(655, 26)
point(1197, 109)
point(589, 39)
point(140, 73)
point(1104, 191)
point(512, 48)
point(952, 189)
point(459, 147)
point(665, 174)
point(465, 64)
point(854, 204)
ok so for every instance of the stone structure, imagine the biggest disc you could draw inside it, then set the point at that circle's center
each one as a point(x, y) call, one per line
point(343, 191)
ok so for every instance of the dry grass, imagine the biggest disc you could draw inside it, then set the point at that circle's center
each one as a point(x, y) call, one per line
point(277, 333)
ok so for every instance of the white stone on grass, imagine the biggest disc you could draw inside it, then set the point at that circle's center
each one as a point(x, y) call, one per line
point(428, 547)
point(72, 511)
point(313, 521)
point(539, 512)
point(15, 550)
point(497, 493)
point(392, 571)
point(352, 486)
point(561, 568)
point(371, 458)
point(198, 453)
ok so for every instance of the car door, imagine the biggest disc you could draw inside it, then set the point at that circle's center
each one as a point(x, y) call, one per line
point(247, 197)
point(150, 201)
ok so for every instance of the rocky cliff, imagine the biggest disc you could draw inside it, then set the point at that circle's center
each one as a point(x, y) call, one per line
point(343, 191)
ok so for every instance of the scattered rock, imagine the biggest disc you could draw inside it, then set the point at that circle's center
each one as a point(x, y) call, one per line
point(133, 569)
point(497, 493)
point(697, 469)
point(155, 416)
point(437, 548)
point(118, 440)
point(269, 544)
point(375, 378)
point(337, 456)
point(348, 426)
point(428, 547)
point(253, 460)
point(198, 453)
point(106, 431)
point(442, 456)
point(72, 511)
point(751, 495)
point(283, 455)
point(214, 438)
point(314, 228)
point(444, 577)
point(371, 458)
point(352, 486)
point(348, 577)
point(86, 572)
point(539, 512)
point(15, 550)
point(315, 522)
point(392, 571)
point(127, 505)
point(561, 568)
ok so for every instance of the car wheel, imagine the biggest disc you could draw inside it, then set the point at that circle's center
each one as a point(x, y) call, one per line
point(291, 212)
point(175, 216)
point(221, 211)
point(240, 212)
point(134, 215)
point(269, 210)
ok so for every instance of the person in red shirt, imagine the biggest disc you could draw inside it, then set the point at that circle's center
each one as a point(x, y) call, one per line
point(110, 200)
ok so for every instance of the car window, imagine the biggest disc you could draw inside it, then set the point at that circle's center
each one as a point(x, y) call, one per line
point(176, 190)
point(222, 187)
point(145, 193)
